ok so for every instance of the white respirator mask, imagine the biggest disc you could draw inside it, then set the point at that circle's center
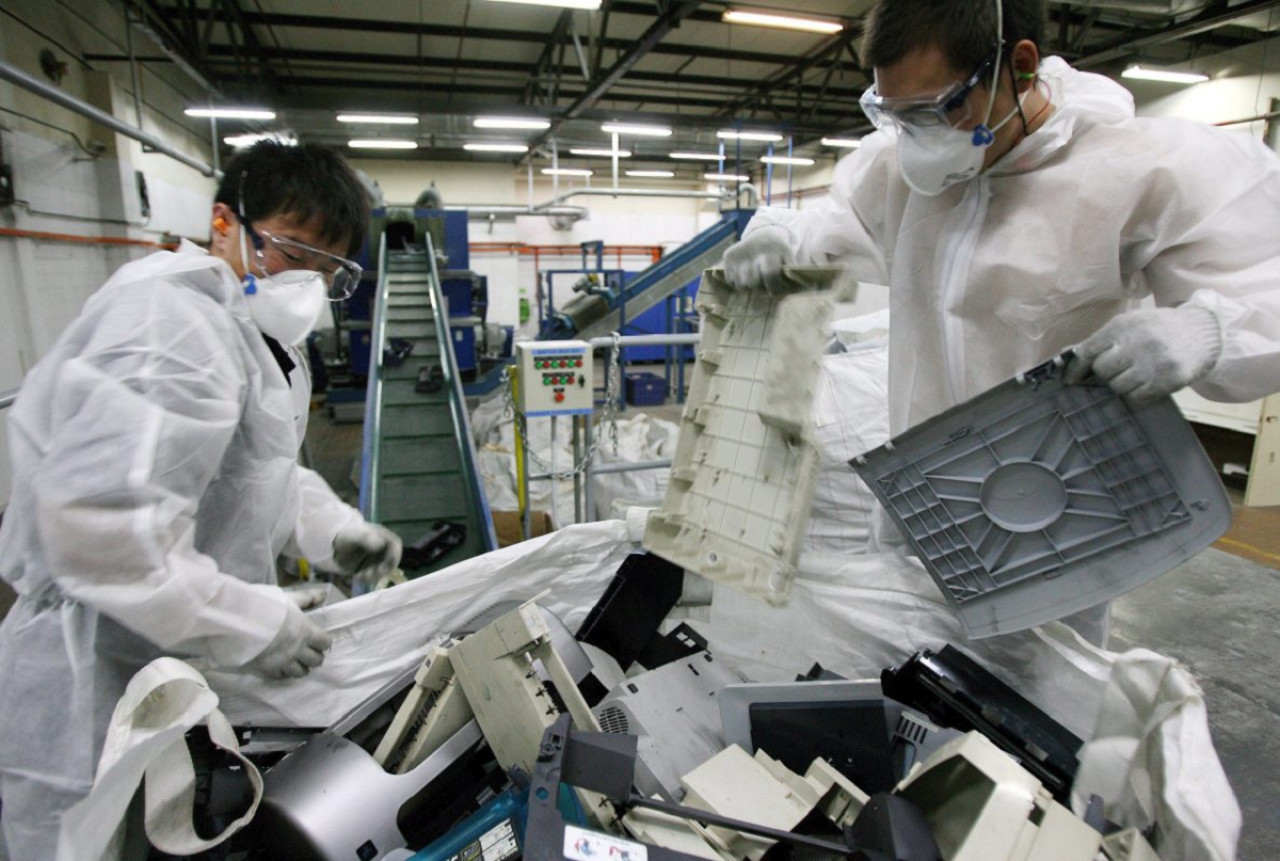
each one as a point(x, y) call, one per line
point(286, 305)
point(934, 158)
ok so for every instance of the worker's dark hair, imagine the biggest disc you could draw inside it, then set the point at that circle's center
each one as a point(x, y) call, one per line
point(303, 182)
point(964, 29)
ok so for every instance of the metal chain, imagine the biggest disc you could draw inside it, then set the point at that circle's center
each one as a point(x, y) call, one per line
point(608, 413)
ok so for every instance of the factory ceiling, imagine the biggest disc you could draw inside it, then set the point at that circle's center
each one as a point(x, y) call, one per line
point(668, 62)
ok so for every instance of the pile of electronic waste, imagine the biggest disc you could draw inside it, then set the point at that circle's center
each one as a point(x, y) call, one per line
point(517, 738)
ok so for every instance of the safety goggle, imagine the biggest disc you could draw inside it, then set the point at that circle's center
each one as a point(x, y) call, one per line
point(341, 275)
point(286, 256)
point(949, 107)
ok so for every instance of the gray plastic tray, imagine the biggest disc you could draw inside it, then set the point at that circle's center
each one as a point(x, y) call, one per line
point(1037, 499)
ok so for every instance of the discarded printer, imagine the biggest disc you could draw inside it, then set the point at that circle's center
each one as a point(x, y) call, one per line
point(517, 739)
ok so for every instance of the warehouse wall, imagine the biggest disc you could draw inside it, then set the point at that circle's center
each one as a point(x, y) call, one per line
point(76, 178)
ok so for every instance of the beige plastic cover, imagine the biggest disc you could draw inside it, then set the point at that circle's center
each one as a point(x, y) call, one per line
point(744, 469)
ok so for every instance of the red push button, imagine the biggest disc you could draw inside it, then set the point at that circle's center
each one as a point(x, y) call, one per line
point(559, 397)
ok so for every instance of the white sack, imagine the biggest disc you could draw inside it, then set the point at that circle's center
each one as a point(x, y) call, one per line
point(162, 702)
point(850, 416)
point(381, 634)
point(640, 438)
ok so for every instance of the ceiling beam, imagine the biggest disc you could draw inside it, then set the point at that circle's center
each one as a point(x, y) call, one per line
point(392, 63)
point(532, 37)
point(1218, 15)
point(762, 92)
point(833, 109)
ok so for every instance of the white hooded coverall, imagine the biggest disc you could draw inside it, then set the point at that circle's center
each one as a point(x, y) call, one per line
point(155, 483)
point(1093, 212)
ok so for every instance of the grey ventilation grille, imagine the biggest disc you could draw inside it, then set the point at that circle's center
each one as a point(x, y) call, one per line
point(613, 719)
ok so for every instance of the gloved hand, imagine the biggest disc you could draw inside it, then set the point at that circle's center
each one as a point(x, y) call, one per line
point(366, 547)
point(298, 647)
point(1151, 352)
point(756, 262)
point(307, 597)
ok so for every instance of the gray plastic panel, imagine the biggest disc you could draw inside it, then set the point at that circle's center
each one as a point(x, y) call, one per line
point(1037, 499)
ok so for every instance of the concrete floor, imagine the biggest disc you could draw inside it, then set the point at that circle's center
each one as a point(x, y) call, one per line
point(1217, 615)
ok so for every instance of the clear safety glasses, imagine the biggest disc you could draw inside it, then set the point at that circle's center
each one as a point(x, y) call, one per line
point(950, 107)
point(281, 256)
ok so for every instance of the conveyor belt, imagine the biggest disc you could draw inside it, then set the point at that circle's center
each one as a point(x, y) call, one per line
point(420, 461)
point(673, 271)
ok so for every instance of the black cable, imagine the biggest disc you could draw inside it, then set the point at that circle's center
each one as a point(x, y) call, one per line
point(1013, 80)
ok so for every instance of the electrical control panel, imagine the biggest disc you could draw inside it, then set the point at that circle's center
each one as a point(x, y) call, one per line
point(555, 378)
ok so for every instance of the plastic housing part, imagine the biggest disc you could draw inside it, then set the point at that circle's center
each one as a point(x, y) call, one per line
point(672, 711)
point(982, 806)
point(743, 472)
point(1037, 499)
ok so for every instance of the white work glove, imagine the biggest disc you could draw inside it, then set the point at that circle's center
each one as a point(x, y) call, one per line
point(1151, 352)
point(366, 548)
point(756, 262)
point(297, 649)
point(307, 597)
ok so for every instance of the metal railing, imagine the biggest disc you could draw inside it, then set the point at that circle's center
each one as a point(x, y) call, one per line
point(463, 437)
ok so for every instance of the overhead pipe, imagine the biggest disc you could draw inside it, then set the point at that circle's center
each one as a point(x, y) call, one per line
point(14, 75)
point(633, 192)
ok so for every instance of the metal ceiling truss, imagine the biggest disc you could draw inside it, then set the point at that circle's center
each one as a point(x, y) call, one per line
point(193, 28)
point(571, 77)
point(1219, 14)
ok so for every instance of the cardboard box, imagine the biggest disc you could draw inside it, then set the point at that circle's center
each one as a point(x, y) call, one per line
point(507, 525)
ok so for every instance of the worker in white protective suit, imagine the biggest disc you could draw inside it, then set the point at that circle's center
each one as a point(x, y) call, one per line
point(156, 479)
point(1016, 208)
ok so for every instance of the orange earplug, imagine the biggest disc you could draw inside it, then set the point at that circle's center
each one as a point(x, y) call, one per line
point(220, 224)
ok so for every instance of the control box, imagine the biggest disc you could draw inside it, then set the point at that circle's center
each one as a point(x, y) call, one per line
point(555, 378)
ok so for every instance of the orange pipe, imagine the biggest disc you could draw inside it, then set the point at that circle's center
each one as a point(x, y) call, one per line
point(85, 240)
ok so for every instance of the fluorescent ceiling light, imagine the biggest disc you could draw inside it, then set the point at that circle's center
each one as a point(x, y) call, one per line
point(589, 5)
point(730, 134)
point(847, 143)
point(382, 143)
point(656, 174)
point(566, 171)
point(232, 113)
point(700, 156)
point(632, 129)
point(781, 159)
point(495, 147)
point(511, 123)
point(600, 151)
point(1140, 74)
point(243, 141)
point(385, 119)
point(785, 22)
point(727, 177)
